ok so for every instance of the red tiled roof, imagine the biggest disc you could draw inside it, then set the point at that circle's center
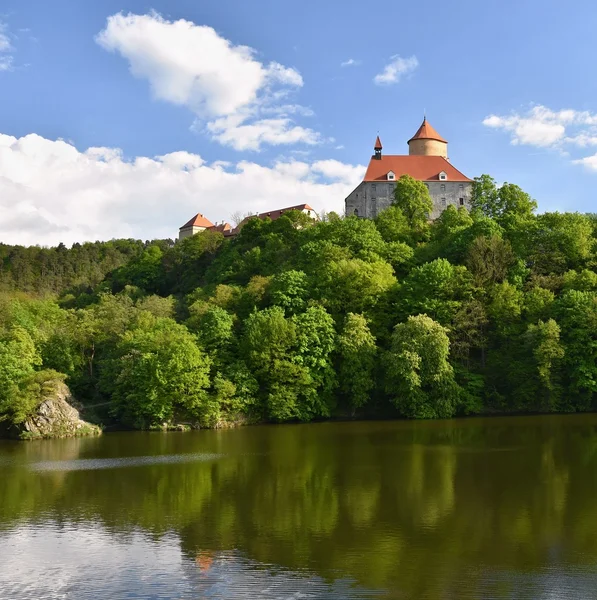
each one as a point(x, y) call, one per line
point(276, 214)
point(423, 168)
point(426, 132)
point(222, 228)
point(378, 145)
point(198, 221)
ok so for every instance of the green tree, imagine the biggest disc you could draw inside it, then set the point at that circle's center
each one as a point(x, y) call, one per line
point(505, 308)
point(412, 197)
point(157, 374)
point(18, 360)
point(544, 340)
point(315, 343)
point(353, 285)
point(357, 354)
point(489, 259)
point(561, 241)
point(289, 290)
point(436, 288)
point(576, 313)
point(393, 225)
point(419, 377)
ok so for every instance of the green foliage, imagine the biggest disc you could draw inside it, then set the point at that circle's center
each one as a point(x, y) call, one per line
point(436, 288)
point(18, 359)
point(420, 379)
point(544, 340)
point(489, 259)
point(412, 198)
point(157, 371)
point(492, 310)
point(289, 290)
point(357, 353)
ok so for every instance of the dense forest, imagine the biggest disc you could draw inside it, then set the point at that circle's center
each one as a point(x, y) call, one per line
point(492, 310)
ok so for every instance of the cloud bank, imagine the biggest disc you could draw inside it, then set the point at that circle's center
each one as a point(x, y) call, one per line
point(51, 192)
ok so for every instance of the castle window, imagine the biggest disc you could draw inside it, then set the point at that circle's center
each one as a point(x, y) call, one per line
point(391, 176)
point(461, 200)
point(356, 212)
point(443, 176)
point(461, 187)
point(373, 187)
point(443, 187)
point(444, 202)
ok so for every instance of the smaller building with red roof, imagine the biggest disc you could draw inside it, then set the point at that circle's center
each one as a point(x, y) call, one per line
point(199, 223)
point(427, 161)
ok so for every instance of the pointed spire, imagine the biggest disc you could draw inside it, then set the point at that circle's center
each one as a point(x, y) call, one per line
point(378, 145)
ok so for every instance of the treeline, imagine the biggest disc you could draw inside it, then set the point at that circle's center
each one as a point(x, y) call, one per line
point(54, 270)
point(489, 311)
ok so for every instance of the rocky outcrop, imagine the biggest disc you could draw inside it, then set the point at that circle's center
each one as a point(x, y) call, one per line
point(56, 417)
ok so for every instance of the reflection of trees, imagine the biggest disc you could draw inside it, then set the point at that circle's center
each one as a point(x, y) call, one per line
point(406, 506)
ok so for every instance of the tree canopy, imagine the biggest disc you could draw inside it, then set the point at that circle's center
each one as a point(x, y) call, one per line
point(483, 311)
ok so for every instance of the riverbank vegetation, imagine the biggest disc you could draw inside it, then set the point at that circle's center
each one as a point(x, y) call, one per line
point(492, 310)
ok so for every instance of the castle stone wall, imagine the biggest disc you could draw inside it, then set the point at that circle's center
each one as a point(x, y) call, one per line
point(370, 198)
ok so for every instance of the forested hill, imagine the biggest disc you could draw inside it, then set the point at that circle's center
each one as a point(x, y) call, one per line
point(492, 311)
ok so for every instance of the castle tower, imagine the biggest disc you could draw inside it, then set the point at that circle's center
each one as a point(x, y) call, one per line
point(427, 142)
point(377, 148)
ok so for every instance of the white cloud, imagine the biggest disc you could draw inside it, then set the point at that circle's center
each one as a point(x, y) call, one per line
point(6, 49)
point(351, 62)
point(396, 69)
point(582, 139)
point(545, 128)
point(51, 192)
point(334, 169)
point(225, 85)
point(590, 162)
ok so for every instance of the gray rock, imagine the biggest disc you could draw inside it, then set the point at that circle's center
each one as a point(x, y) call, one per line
point(56, 417)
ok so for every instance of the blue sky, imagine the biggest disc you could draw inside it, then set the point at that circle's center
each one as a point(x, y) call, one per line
point(509, 84)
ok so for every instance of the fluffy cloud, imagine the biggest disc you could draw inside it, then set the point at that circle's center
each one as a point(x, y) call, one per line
point(229, 90)
point(51, 192)
point(545, 128)
point(5, 49)
point(396, 69)
point(351, 62)
point(590, 162)
point(542, 127)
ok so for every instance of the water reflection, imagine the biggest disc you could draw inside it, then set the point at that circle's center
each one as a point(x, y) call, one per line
point(480, 508)
point(89, 563)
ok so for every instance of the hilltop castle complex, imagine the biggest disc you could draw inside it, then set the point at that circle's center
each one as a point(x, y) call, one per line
point(427, 161)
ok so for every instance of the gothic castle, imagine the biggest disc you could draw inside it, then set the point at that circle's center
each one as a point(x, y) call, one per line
point(427, 161)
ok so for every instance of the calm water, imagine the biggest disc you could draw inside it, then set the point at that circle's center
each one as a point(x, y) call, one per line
point(481, 508)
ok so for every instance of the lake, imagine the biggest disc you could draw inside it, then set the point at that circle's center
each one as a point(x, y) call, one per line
point(501, 508)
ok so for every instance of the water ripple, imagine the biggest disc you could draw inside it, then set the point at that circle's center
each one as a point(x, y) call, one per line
point(93, 464)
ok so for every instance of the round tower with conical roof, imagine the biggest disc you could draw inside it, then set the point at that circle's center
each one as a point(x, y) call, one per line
point(427, 142)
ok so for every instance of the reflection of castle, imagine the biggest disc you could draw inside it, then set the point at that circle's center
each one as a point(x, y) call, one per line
point(427, 161)
point(199, 223)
